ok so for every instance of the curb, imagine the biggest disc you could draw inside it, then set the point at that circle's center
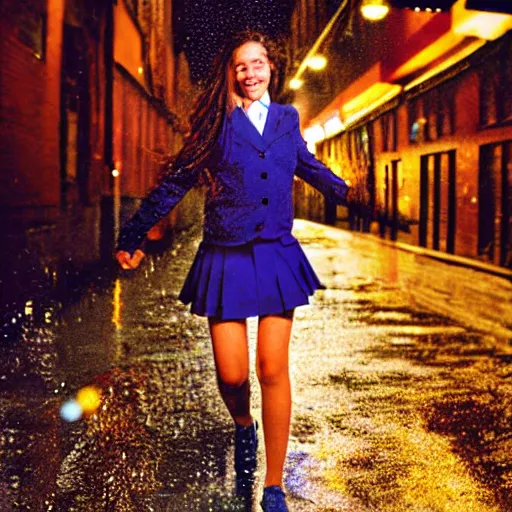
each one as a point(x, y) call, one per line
point(450, 259)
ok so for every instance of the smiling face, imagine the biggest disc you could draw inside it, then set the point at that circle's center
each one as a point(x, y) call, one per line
point(252, 70)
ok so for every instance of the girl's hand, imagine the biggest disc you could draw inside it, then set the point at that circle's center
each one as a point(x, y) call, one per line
point(128, 262)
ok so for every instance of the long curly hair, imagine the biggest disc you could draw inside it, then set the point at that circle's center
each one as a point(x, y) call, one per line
point(219, 98)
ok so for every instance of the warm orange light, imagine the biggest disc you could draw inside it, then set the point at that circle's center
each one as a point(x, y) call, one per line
point(89, 399)
point(116, 313)
point(128, 41)
point(448, 62)
point(314, 134)
point(296, 83)
point(333, 126)
point(29, 308)
point(486, 25)
point(317, 62)
point(376, 95)
point(374, 10)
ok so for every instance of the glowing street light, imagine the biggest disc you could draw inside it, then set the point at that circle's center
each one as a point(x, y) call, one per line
point(296, 83)
point(317, 62)
point(374, 10)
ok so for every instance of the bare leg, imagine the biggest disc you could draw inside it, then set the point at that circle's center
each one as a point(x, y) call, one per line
point(272, 369)
point(231, 353)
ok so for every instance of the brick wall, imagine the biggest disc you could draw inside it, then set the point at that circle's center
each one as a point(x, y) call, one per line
point(30, 95)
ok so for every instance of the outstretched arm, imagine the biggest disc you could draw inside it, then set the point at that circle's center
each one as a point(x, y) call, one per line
point(317, 174)
point(161, 200)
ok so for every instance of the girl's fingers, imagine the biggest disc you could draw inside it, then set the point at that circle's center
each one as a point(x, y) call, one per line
point(128, 262)
point(137, 258)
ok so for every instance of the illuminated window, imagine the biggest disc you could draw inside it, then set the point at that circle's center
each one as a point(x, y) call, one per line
point(363, 143)
point(417, 121)
point(432, 115)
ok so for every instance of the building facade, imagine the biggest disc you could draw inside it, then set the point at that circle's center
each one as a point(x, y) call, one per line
point(93, 97)
point(425, 135)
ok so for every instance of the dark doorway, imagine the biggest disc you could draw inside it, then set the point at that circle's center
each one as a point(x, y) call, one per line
point(390, 215)
point(495, 204)
point(438, 201)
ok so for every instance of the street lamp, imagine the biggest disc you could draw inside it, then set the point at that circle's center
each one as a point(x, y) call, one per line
point(296, 83)
point(317, 62)
point(374, 10)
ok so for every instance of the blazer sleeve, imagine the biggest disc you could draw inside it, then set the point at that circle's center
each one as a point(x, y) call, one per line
point(317, 174)
point(160, 201)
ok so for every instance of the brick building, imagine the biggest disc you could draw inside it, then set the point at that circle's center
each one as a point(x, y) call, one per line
point(424, 130)
point(93, 95)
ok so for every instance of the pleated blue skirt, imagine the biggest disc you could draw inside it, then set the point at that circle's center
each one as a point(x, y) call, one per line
point(262, 277)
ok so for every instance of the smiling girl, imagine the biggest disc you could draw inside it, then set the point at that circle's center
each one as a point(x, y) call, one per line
point(249, 263)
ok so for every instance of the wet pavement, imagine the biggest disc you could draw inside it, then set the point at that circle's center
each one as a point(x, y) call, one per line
point(402, 392)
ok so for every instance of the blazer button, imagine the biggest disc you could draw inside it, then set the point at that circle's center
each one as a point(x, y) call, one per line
point(259, 227)
point(264, 175)
point(264, 201)
point(262, 154)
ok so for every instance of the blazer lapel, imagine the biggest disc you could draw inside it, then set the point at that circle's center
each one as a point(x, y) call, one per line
point(278, 123)
point(243, 126)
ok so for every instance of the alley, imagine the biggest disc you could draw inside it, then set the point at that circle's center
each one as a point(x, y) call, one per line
point(396, 407)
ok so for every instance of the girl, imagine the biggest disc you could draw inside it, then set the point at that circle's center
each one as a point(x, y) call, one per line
point(247, 150)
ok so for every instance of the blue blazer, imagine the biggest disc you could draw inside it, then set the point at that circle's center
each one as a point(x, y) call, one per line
point(250, 183)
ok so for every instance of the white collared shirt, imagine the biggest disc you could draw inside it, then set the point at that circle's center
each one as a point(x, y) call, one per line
point(258, 112)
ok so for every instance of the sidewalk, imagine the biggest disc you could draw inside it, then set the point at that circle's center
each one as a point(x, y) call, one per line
point(473, 293)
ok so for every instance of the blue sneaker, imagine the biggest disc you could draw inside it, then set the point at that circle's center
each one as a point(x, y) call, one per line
point(274, 499)
point(246, 459)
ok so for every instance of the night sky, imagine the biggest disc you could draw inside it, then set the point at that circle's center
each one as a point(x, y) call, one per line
point(201, 26)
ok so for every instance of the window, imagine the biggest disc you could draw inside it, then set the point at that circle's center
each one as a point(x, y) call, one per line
point(29, 21)
point(496, 87)
point(388, 124)
point(431, 107)
point(446, 111)
point(417, 121)
point(489, 96)
point(439, 112)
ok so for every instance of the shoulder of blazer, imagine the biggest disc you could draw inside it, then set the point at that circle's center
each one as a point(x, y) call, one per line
point(288, 114)
point(281, 120)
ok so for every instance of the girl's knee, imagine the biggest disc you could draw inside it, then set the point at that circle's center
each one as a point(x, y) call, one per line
point(271, 374)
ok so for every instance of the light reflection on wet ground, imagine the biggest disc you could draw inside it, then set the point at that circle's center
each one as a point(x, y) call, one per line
point(423, 412)
point(395, 408)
